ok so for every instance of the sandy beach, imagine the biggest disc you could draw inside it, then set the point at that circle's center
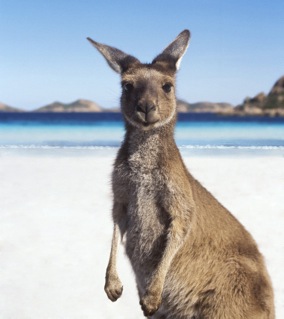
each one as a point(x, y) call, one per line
point(55, 228)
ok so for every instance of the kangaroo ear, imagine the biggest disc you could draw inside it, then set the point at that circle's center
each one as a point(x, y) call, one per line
point(116, 59)
point(173, 53)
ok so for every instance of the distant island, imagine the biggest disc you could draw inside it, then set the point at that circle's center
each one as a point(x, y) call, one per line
point(271, 104)
point(7, 108)
point(74, 107)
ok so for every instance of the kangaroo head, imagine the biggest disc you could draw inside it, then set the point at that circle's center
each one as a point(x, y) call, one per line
point(148, 90)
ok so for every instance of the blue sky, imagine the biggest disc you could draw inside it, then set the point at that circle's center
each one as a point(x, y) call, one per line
point(236, 49)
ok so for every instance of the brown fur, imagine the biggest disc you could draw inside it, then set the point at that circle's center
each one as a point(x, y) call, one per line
point(191, 257)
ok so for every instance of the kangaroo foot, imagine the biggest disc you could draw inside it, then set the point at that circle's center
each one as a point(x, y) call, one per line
point(150, 303)
point(113, 288)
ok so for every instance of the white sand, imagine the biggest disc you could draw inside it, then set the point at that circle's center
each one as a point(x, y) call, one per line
point(55, 229)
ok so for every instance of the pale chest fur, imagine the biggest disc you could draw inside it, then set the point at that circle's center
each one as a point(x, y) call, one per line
point(140, 183)
point(140, 177)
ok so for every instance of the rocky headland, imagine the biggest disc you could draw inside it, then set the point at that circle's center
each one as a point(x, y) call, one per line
point(271, 104)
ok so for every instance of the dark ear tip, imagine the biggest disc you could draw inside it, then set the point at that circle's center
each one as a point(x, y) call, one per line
point(185, 33)
point(92, 41)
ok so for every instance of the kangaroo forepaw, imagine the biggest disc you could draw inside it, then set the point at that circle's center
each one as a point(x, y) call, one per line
point(150, 303)
point(113, 289)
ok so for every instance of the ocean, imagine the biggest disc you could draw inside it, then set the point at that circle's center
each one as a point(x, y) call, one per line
point(195, 133)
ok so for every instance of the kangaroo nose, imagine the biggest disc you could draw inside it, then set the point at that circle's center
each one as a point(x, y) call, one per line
point(147, 112)
point(147, 108)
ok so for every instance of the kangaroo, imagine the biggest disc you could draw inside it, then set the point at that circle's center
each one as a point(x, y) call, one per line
point(191, 258)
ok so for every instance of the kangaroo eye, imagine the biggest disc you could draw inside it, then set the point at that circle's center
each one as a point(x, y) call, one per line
point(127, 86)
point(167, 87)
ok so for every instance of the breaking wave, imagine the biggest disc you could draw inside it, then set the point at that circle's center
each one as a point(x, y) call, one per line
point(102, 147)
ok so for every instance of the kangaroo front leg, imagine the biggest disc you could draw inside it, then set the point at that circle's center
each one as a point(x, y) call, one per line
point(177, 232)
point(113, 286)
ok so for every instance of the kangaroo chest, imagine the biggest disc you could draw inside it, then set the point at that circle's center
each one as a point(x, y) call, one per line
point(146, 220)
point(143, 182)
point(140, 175)
point(146, 182)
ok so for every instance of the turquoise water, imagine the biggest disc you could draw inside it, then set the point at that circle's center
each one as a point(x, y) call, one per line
point(85, 132)
point(111, 134)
